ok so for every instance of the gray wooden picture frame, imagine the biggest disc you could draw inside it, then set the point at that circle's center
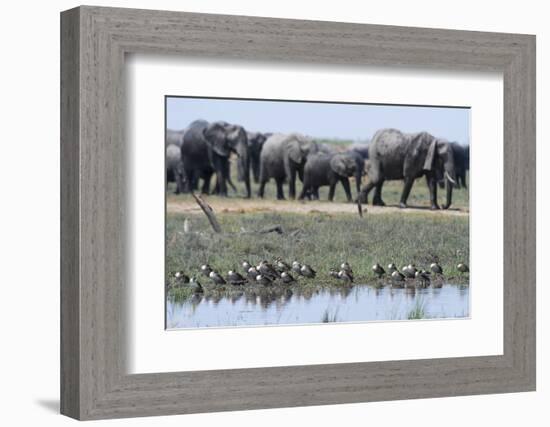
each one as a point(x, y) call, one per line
point(94, 41)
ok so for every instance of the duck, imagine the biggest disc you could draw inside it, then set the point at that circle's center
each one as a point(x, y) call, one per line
point(409, 271)
point(196, 286)
point(266, 269)
point(287, 278)
point(252, 273)
point(307, 271)
point(297, 268)
point(235, 278)
point(263, 280)
point(333, 273)
point(436, 268)
point(392, 267)
point(398, 279)
point(217, 278)
point(346, 267)
point(246, 265)
point(181, 276)
point(378, 270)
point(423, 277)
point(463, 268)
point(398, 276)
point(345, 276)
point(206, 270)
point(281, 266)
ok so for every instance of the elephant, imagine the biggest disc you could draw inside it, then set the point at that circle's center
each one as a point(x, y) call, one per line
point(462, 165)
point(255, 144)
point(174, 167)
point(174, 137)
point(394, 155)
point(206, 150)
point(360, 170)
point(282, 158)
point(329, 169)
point(361, 149)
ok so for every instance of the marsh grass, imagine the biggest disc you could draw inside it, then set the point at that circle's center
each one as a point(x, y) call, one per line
point(180, 293)
point(321, 240)
point(418, 311)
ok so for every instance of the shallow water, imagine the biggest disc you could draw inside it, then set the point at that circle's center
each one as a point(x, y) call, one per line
point(357, 304)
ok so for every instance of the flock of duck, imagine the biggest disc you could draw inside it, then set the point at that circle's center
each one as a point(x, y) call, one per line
point(280, 272)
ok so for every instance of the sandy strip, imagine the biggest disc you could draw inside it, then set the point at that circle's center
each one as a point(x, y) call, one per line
point(234, 205)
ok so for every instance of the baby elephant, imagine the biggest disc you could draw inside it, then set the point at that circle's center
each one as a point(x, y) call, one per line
point(328, 169)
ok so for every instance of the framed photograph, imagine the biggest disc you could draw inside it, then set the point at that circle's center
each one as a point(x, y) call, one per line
point(262, 213)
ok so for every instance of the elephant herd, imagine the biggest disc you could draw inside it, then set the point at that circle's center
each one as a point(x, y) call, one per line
point(204, 150)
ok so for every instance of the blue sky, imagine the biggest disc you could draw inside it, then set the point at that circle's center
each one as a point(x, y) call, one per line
point(322, 120)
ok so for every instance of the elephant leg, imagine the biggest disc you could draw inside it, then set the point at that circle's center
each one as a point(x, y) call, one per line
point(221, 186)
point(179, 183)
point(292, 184)
point(377, 199)
point(432, 187)
point(406, 191)
point(364, 194)
point(280, 192)
point(189, 178)
point(262, 188)
point(315, 193)
point(462, 181)
point(347, 189)
point(358, 177)
point(332, 187)
point(306, 190)
point(206, 183)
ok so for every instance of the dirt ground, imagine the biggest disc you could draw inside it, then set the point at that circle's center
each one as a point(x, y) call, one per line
point(238, 205)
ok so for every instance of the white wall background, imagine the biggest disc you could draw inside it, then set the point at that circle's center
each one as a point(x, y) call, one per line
point(29, 213)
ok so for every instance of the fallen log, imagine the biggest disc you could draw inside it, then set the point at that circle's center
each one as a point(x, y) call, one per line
point(274, 229)
point(209, 212)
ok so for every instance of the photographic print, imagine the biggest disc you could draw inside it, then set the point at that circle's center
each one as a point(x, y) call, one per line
point(285, 212)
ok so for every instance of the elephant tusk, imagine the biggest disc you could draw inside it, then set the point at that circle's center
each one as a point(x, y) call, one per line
point(449, 178)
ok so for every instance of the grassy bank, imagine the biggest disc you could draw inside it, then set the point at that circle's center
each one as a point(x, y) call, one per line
point(321, 240)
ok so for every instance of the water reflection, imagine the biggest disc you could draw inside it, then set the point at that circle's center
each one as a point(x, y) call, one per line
point(268, 306)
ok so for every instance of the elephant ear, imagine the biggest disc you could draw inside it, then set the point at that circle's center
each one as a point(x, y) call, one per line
point(235, 135)
point(342, 164)
point(307, 145)
point(430, 156)
point(294, 151)
point(215, 136)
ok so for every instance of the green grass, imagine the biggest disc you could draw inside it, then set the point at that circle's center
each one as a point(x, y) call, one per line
point(322, 240)
point(336, 142)
point(418, 311)
point(180, 293)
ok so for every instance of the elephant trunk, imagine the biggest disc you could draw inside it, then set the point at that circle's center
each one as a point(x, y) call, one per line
point(450, 182)
point(243, 168)
point(256, 170)
point(358, 177)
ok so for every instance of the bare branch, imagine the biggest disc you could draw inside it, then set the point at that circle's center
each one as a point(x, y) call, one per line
point(208, 212)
